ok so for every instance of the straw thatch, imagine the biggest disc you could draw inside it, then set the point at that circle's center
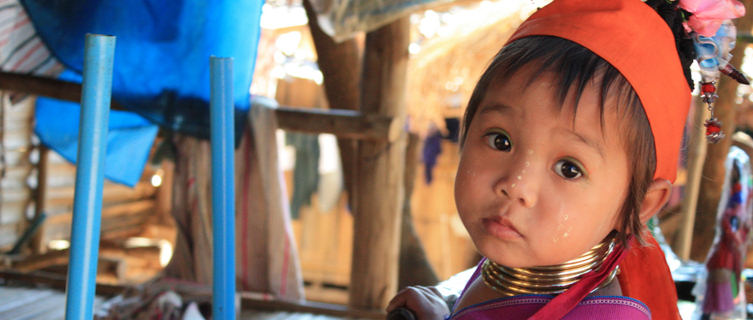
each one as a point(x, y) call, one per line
point(442, 75)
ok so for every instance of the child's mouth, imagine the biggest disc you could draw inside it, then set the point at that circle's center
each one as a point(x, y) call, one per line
point(501, 228)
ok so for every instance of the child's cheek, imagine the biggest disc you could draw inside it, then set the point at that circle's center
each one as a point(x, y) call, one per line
point(564, 226)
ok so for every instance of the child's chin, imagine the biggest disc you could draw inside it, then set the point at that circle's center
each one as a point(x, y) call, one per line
point(505, 255)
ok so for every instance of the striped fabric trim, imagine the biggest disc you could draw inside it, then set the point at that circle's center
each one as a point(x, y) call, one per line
point(21, 49)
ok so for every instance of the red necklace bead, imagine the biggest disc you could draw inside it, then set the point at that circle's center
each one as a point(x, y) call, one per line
point(708, 88)
point(712, 128)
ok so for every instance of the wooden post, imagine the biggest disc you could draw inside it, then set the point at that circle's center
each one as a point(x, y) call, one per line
point(713, 168)
point(379, 176)
point(414, 268)
point(340, 64)
point(41, 86)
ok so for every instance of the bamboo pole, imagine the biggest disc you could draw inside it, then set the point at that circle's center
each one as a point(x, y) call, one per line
point(379, 193)
point(222, 136)
point(90, 161)
point(696, 157)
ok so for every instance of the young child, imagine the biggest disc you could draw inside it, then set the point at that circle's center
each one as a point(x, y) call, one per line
point(570, 144)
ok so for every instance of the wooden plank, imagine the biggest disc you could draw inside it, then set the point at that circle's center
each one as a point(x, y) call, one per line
point(53, 88)
point(107, 264)
point(342, 123)
point(379, 189)
point(111, 193)
point(117, 220)
point(44, 306)
point(55, 281)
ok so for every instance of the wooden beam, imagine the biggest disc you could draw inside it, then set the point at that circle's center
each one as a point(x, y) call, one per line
point(343, 123)
point(40, 86)
point(55, 281)
point(379, 189)
point(340, 122)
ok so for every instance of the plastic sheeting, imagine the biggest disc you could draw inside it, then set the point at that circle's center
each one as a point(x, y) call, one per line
point(161, 66)
point(129, 136)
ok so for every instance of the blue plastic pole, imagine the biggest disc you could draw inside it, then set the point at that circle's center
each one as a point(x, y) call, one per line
point(223, 188)
point(87, 200)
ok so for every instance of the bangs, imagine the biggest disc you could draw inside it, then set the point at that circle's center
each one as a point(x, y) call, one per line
point(572, 65)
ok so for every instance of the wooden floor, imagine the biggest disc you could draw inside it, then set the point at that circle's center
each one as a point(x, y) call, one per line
point(255, 315)
point(21, 303)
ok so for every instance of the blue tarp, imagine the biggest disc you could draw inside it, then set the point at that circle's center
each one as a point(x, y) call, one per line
point(129, 136)
point(161, 66)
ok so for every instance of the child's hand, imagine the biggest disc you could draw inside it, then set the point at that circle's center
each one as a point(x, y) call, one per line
point(425, 302)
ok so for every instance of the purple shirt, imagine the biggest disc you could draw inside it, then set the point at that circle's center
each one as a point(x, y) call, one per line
point(524, 306)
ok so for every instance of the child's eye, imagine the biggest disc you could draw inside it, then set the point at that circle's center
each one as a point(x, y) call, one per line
point(568, 169)
point(499, 140)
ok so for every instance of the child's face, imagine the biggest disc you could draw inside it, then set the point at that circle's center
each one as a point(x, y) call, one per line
point(534, 186)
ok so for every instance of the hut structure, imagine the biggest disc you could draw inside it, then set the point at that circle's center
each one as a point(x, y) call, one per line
point(311, 239)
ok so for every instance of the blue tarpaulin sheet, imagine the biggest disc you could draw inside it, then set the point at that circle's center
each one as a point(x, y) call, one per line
point(161, 67)
point(129, 136)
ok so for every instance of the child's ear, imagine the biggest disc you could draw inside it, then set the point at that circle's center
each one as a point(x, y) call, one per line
point(656, 196)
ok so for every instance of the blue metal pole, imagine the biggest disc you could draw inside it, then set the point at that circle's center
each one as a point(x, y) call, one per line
point(87, 200)
point(223, 188)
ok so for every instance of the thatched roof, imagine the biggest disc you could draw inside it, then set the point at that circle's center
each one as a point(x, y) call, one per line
point(441, 76)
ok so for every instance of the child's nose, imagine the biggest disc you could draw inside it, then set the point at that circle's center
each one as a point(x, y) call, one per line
point(520, 182)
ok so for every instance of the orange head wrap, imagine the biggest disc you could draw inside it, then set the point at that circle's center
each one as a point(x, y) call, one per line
point(635, 40)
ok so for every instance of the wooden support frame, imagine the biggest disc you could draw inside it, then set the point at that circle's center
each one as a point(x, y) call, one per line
point(342, 123)
point(40, 86)
point(379, 189)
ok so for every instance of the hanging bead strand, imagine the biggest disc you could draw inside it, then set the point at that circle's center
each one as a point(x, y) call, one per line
point(713, 125)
